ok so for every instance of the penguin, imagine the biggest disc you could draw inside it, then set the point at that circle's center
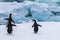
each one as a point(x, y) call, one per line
point(35, 25)
point(9, 25)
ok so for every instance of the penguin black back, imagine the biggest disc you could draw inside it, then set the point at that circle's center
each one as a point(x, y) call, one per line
point(35, 25)
point(9, 25)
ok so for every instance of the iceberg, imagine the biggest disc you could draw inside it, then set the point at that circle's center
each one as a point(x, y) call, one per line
point(39, 11)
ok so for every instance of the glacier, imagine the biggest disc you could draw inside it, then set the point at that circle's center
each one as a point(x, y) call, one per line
point(39, 11)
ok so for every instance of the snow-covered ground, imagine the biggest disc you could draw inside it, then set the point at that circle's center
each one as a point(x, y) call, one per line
point(24, 31)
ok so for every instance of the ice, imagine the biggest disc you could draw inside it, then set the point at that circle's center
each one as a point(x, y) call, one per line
point(7, 6)
point(39, 11)
point(47, 1)
point(54, 18)
point(20, 18)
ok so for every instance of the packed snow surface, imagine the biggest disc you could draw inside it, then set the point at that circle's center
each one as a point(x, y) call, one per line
point(24, 31)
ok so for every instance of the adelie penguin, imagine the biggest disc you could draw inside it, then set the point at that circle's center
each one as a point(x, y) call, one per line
point(35, 25)
point(9, 25)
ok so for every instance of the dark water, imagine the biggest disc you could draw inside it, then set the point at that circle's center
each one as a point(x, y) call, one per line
point(58, 3)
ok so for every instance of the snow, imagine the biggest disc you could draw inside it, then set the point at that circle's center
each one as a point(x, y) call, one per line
point(24, 31)
point(7, 7)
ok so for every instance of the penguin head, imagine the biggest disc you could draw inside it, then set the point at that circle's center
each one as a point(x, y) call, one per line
point(10, 14)
point(34, 20)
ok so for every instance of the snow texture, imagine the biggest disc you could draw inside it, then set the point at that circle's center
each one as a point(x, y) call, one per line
point(24, 31)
